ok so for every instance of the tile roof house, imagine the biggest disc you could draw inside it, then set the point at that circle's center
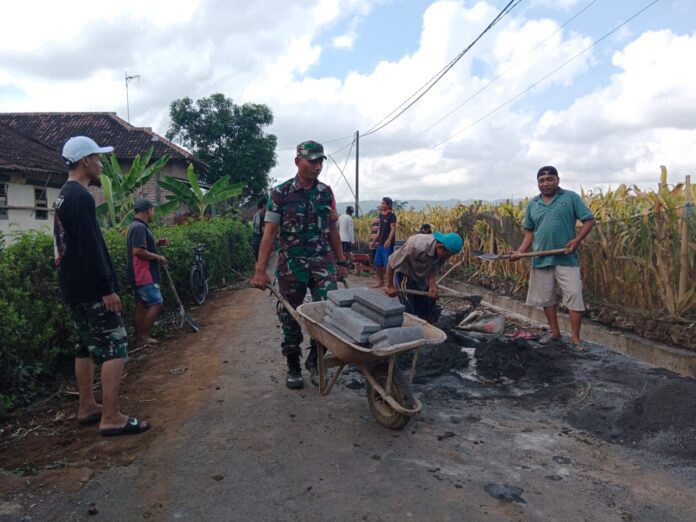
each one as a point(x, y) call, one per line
point(34, 140)
point(31, 175)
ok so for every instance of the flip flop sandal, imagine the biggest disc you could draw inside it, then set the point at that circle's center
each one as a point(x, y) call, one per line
point(90, 419)
point(579, 347)
point(548, 340)
point(132, 427)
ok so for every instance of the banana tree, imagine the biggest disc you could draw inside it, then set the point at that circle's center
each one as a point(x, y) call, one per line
point(196, 197)
point(120, 188)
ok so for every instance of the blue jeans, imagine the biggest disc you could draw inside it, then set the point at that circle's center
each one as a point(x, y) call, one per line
point(149, 294)
point(382, 255)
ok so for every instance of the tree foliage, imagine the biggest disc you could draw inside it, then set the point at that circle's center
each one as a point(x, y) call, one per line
point(120, 188)
point(230, 138)
point(196, 197)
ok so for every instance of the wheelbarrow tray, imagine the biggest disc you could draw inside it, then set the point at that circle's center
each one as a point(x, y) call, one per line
point(388, 405)
point(347, 351)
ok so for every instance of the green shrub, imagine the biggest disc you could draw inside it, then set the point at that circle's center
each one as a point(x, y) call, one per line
point(36, 333)
point(35, 329)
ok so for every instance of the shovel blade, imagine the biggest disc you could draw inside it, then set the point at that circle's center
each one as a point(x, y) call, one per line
point(194, 326)
point(485, 256)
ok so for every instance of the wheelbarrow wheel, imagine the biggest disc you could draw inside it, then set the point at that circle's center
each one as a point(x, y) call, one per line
point(400, 390)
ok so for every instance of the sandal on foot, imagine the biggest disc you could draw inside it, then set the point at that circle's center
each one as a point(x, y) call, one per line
point(579, 347)
point(94, 418)
point(132, 427)
point(549, 340)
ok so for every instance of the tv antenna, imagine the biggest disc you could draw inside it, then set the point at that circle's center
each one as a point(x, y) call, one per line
point(129, 78)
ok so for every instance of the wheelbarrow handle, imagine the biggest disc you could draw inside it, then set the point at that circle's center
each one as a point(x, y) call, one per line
point(285, 303)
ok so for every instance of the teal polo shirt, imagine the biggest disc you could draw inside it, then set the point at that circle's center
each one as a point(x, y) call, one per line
point(553, 225)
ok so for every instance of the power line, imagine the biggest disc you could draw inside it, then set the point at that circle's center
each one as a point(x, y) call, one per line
point(435, 79)
point(323, 142)
point(342, 174)
point(534, 84)
point(345, 163)
point(531, 51)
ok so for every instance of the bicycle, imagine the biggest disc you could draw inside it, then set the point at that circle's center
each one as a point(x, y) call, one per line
point(198, 276)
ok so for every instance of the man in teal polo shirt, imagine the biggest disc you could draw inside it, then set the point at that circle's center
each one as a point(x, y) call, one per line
point(550, 223)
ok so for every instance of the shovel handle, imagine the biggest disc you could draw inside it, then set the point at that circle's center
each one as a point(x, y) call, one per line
point(171, 284)
point(539, 253)
point(285, 303)
point(450, 270)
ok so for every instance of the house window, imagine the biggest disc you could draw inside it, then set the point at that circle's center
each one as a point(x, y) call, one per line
point(3, 201)
point(40, 201)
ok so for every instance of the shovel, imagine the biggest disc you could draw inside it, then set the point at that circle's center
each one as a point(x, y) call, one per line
point(495, 257)
point(183, 316)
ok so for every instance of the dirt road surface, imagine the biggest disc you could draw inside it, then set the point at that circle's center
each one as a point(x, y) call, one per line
point(231, 442)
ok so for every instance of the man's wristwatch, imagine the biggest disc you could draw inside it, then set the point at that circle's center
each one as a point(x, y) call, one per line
point(342, 263)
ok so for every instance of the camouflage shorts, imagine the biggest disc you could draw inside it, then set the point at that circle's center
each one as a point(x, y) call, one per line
point(294, 291)
point(102, 334)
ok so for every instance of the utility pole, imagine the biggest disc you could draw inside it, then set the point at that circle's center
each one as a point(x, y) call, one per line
point(357, 171)
point(128, 80)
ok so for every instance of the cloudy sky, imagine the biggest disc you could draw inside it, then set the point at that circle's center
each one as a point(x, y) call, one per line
point(533, 91)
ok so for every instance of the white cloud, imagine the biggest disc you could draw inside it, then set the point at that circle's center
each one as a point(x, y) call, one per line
point(344, 41)
point(619, 128)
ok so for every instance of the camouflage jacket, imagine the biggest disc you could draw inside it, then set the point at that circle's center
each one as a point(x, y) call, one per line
point(304, 218)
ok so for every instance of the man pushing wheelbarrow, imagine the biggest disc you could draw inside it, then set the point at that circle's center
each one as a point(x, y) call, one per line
point(302, 213)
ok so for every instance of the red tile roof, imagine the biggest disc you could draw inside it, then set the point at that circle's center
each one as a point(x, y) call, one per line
point(21, 154)
point(54, 128)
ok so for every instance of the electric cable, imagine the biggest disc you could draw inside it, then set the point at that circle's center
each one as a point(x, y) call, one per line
point(536, 83)
point(433, 81)
point(491, 82)
point(342, 175)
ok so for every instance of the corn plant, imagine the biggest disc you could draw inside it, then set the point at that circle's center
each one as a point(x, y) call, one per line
point(635, 257)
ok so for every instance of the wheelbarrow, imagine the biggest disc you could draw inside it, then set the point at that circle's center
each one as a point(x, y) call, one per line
point(389, 393)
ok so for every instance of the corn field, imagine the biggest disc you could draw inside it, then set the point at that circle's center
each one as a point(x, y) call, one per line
point(640, 256)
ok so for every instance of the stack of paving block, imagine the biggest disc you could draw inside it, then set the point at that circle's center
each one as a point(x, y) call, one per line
point(368, 317)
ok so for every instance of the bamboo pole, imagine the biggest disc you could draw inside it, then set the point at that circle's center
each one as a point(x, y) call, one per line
point(684, 247)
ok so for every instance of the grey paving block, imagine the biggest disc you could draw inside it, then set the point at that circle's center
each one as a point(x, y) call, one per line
point(392, 336)
point(363, 338)
point(353, 324)
point(329, 308)
point(342, 297)
point(378, 301)
point(385, 321)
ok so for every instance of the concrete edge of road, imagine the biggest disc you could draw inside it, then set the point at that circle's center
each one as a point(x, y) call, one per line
point(670, 358)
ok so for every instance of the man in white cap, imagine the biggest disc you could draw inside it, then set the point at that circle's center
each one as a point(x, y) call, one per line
point(89, 288)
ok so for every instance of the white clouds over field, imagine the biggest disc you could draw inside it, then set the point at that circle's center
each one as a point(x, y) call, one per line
point(612, 115)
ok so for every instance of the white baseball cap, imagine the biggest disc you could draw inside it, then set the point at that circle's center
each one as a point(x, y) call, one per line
point(78, 147)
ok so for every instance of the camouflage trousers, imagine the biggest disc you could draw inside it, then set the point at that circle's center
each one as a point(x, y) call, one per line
point(101, 332)
point(294, 289)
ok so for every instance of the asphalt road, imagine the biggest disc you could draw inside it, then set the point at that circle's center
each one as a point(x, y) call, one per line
point(248, 448)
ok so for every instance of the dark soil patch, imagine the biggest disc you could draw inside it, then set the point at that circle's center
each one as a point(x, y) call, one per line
point(435, 361)
point(651, 410)
point(667, 412)
point(517, 358)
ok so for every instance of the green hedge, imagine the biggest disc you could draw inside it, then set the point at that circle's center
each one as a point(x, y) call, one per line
point(36, 334)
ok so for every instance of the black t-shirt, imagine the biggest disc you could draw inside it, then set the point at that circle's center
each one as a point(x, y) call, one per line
point(85, 272)
point(385, 223)
point(141, 271)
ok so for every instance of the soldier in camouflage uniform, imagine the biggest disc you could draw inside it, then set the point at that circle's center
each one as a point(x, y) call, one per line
point(302, 211)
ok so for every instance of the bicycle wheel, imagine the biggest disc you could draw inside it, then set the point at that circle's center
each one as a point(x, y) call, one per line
point(198, 284)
